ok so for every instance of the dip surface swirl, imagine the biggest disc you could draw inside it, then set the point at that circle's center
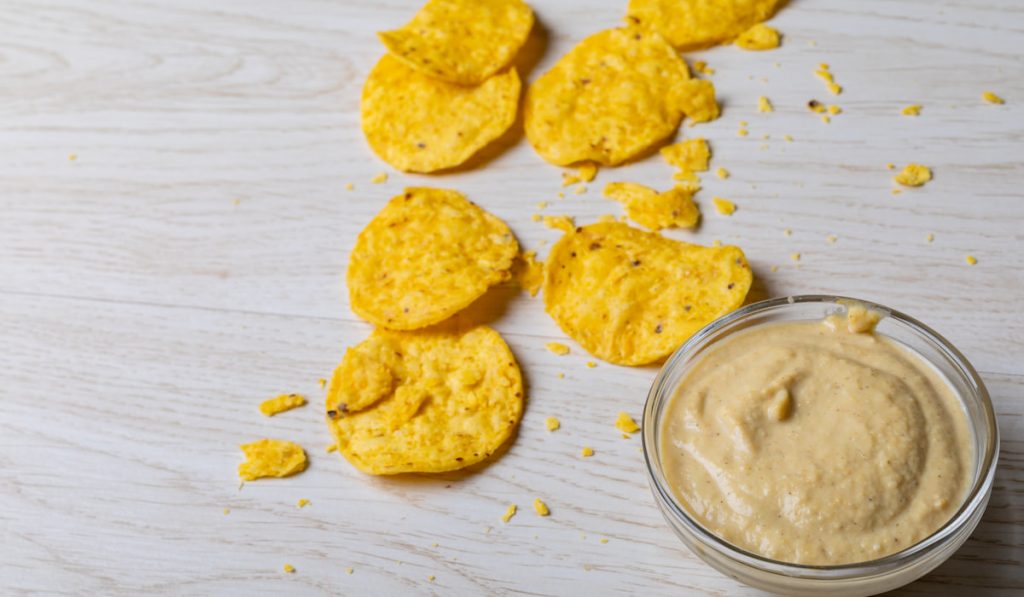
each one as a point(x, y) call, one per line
point(818, 443)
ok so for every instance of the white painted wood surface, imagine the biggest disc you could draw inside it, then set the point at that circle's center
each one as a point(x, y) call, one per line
point(189, 263)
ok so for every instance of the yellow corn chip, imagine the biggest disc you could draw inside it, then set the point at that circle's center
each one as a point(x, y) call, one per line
point(282, 403)
point(672, 209)
point(697, 101)
point(914, 175)
point(428, 254)
point(609, 99)
point(420, 124)
point(694, 24)
point(461, 41)
point(440, 399)
point(271, 458)
point(692, 155)
point(632, 297)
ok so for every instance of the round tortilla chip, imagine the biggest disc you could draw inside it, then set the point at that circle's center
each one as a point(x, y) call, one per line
point(610, 98)
point(420, 124)
point(461, 41)
point(632, 297)
point(695, 24)
point(427, 255)
point(434, 400)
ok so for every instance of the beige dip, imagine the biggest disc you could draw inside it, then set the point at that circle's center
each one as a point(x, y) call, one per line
point(817, 443)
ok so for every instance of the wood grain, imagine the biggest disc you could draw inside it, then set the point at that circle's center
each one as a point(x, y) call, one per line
point(189, 263)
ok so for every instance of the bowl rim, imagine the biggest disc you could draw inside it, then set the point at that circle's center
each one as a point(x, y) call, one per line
point(975, 498)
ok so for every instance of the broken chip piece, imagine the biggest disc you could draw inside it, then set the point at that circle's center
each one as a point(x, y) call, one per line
point(673, 208)
point(282, 403)
point(271, 458)
point(625, 423)
point(914, 175)
point(689, 25)
point(759, 37)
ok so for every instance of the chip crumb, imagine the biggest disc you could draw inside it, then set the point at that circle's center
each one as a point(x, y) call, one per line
point(561, 195)
point(281, 403)
point(72, 157)
point(349, 186)
point(722, 173)
point(289, 568)
point(322, 382)
point(587, 452)
point(435, 544)
point(557, 348)
point(930, 237)
point(896, 191)
point(795, 256)
point(527, 272)
point(227, 511)
point(604, 540)
point(787, 232)
point(542, 204)
point(971, 260)
point(914, 175)
point(507, 516)
point(431, 578)
point(625, 423)
point(591, 364)
point(552, 424)
point(379, 178)
point(834, 109)
point(912, 110)
point(569, 179)
point(825, 75)
point(349, 570)
point(825, 119)
point(586, 171)
point(702, 67)
point(992, 98)
point(890, 166)
point(580, 189)
point(541, 507)
point(831, 239)
point(536, 217)
point(787, 137)
point(561, 376)
point(331, 448)
point(691, 155)
point(563, 223)
point(302, 503)
point(759, 37)
point(816, 106)
point(774, 268)
point(764, 105)
point(742, 133)
point(724, 206)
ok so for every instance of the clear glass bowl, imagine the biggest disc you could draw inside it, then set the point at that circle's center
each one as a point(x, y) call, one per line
point(864, 578)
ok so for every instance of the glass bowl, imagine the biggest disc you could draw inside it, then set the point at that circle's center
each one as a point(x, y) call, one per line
point(862, 578)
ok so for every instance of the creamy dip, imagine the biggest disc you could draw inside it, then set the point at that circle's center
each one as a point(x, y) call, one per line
point(817, 443)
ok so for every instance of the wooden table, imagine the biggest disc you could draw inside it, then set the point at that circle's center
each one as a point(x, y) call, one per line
point(174, 229)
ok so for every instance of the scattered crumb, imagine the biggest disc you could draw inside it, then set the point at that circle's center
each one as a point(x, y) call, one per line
point(331, 448)
point(587, 452)
point(349, 186)
point(542, 204)
point(930, 237)
point(302, 503)
point(552, 423)
point(587, 171)
point(349, 570)
point(557, 348)
point(825, 75)
point(787, 232)
point(569, 179)
point(742, 132)
point(227, 511)
point(580, 189)
point(322, 382)
point(563, 223)
point(774, 268)
point(890, 166)
point(831, 239)
point(561, 195)
point(536, 217)
point(289, 568)
point(379, 178)
point(992, 98)
point(541, 507)
point(914, 175)
point(759, 37)
point(787, 137)
point(724, 206)
point(912, 110)
point(509, 513)
point(795, 256)
point(561, 376)
point(702, 67)
point(591, 364)
point(431, 578)
point(834, 109)
point(896, 191)
point(971, 260)
point(435, 544)
point(626, 424)
point(236, 202)
point(764, 105)
point(72, 157)
point(816, 106)
point(722, 173)
point(281, 403)
point(825, 119)
point(604, 540)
